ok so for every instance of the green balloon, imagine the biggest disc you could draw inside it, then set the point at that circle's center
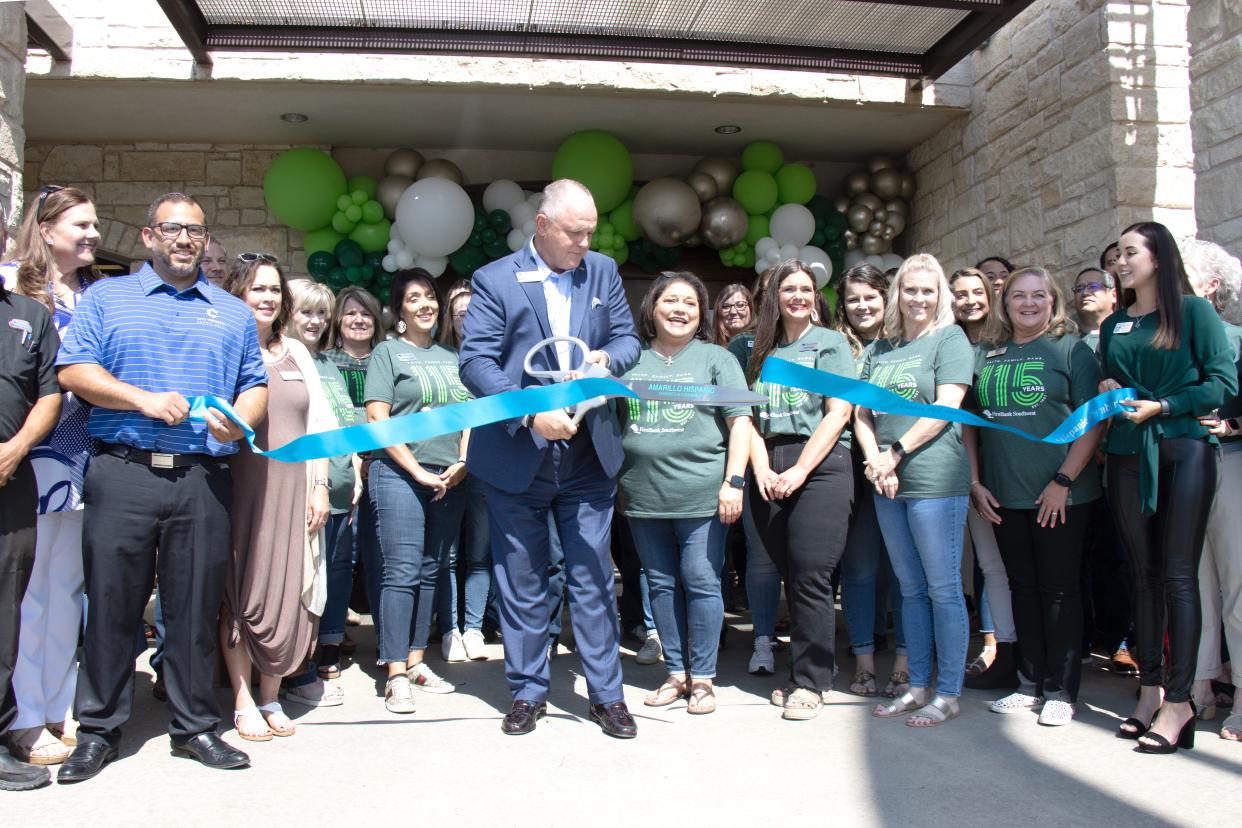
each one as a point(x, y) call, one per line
point(350, 253)
point(354, 213)
point(756, 191)
point(598, 161)
point(354, 274)
point(337, 278)
point(301, 188)
point(325, 238)
point(496, 248)
point(488, 236)
point(343, 202)
point(763, 156)
point(499, 221)
point(459, 260)
point(795, 184)
point(837, 220)
point(342, 224)
point(359, 197)
point(622, 254)
point(476, 238)
point(480, 221)
point(821, 208)
point(372, 212)
point(622, 221)
point(830, 296)
point(376, 258)
point(817, 240)
point(830, 233)
point(365, 183)
point(756, 228)
point(372, 238)
point(320, 263)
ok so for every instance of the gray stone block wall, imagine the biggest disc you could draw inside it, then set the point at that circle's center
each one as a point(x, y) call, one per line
point(1215, 28)
point(12, 99)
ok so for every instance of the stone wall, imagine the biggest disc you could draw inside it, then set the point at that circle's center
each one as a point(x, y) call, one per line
point(1078, 126)
point(12, 98)
point(1215, 28)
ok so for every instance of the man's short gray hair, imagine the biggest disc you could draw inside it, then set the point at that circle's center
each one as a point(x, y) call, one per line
point(560, 193)
point(1208, 260)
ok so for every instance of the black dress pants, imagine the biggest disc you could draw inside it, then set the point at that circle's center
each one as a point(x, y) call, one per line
point(131, 510)
point(1164, 551)
point(1044, 569)
point(805, 535)
point(19, 500)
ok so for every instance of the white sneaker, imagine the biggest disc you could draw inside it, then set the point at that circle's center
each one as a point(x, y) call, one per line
point(1016, 702)
point(475, 646)
point(1056, 713)
point(762, 662)
point(318, 693)
point(651, 650)
point(397, 695)
point(451, 647)
point(422, 677)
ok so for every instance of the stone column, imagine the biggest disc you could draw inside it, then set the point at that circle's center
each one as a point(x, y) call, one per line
point(12, 99)
point(1215, 31)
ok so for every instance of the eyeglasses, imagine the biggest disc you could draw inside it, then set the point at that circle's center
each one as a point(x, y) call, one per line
point(171, 230)
point(1089, 286)
point(737, 307)
point(44, 192)
point(258, 257)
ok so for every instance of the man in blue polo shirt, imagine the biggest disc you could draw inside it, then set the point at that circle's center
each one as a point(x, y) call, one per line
point(139, 345)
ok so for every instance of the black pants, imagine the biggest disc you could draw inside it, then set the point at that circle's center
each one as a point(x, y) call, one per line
point(1108, 585)
point(805, 535)
point(131, 510)
point(19, 500)
point(1164, 551)
point(1044, 569)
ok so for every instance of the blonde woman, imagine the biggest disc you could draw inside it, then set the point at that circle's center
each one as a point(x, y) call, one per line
point(918, 466)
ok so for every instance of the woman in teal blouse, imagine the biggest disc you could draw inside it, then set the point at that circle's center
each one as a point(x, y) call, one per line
point(1171, 347)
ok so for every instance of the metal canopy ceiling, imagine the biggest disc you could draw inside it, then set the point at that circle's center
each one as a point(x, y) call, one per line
point(907, 38)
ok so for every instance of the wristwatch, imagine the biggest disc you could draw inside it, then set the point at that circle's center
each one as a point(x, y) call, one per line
point(897, 449)
point(737, 481)
point(320, 481)
point(1062, 480)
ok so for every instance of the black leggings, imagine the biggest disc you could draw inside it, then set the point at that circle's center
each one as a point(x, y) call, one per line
point(805, 536)
point(1164, 551)
point(1044, 569)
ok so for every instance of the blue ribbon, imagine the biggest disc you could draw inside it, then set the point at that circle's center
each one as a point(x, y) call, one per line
point(1094, 411)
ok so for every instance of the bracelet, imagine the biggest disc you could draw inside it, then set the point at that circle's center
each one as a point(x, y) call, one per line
point(1164, 408)
point(320, 481)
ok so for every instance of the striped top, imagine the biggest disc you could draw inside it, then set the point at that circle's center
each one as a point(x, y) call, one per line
point(141, 330)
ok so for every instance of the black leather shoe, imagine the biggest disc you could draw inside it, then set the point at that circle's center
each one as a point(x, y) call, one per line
point(211, 750)
point(86, 761)
point(157, 689)
point(16, 775)
point(522, 717)
point(615, 719)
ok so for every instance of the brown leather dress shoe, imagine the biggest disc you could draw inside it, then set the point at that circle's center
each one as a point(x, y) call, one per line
point(522, 717)
point(614, 719)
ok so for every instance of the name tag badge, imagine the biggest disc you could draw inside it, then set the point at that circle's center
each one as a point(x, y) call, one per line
point(806, 346)
point(529, 276)
point(291, 376)
point(1122, 327)
point(995, 352)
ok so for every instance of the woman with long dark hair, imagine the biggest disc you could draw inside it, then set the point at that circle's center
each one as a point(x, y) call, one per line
point(1171, 347)
point(804, 484)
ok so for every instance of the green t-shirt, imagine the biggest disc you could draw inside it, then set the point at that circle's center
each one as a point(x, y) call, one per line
point(792, 411)
point(1033, 387)
point(411, 379)
point(913, 369)
point(1092, 341)
point(741, 346)
point(340, 469)
point(355, 373)
point(675, 452)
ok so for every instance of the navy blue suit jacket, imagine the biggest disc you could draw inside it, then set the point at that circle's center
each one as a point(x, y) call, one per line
point(506, 318)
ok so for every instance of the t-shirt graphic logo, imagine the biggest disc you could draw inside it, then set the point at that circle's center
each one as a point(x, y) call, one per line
point(1009, 384)
point(653, 412)
point(897, 376)
point(440, 383)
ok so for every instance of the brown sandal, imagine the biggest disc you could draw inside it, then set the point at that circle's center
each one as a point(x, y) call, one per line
point(702, 698)
point(863, 684)
point(898, 683)
point(670, 691)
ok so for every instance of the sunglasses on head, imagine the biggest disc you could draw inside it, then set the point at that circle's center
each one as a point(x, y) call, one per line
point(258, 257)
point(44, 192)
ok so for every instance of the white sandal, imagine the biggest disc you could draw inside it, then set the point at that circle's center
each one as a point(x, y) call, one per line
point(251, 712)
point(274, 709)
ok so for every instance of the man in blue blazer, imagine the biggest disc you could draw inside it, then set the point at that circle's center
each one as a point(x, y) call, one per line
point(551, 287)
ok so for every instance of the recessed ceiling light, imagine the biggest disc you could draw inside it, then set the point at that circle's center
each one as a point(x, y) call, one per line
point(728, 129)
point(294, 118)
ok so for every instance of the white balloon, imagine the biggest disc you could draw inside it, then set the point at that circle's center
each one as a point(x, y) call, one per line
point(761, 266)
point(529, 228)
point(516, 239)
point(390, 263)
point(405, 260)
point(535, 199)
point(892, 260)
point(819, 263)
point(435, 216)
point(788, 251)
point(501, 195)
point(395, 246)
point(521, 213)
point(435, 265)
point(764, 246)
point(876, 262)
point(853, 257)
point(792, 224)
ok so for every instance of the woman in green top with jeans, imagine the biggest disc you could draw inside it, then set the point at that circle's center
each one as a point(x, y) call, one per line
point(1170, 346)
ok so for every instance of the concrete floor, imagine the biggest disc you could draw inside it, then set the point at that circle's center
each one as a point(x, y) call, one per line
point(448, 764)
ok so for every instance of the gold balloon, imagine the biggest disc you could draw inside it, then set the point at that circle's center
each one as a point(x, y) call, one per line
point(857, 182)
point(704, 186)
point(871, 245)
point(859, 217)
point(849, 235)
point(897, 222)
point(389, 191)
point(870, 201)
point(724, 170)
point(403, 162)
point(880, 215)
point(880, 162)
point(667, 211)
point(851, 244)
point(724, 223)
point(441, 168)
point(888, 234)
point(842, 203)
point(886, 184)
point(897, 206)
point(876, 228)
point(907, 186)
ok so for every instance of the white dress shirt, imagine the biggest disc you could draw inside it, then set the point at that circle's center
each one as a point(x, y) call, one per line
point(557, 290)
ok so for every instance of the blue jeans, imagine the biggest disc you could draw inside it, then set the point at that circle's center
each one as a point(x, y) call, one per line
point(635, 591)
point(763, 581)
point(338, 536)
point(683, 558)
point(475, 542)
point(924, 540)
point(861, 600)
point(367, 550)
point(415, 535)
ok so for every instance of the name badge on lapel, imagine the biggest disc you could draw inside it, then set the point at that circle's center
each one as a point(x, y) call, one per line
point(1123, 327)
point(529, 276)
point(995, 352)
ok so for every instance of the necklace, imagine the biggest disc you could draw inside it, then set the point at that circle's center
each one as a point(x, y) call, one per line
point(668, 359)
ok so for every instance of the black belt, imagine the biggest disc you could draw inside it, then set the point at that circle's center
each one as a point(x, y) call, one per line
point(156, 459)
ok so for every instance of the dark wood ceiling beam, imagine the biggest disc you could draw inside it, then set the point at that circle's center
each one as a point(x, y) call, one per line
point(964, 38)
point(191, 26)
